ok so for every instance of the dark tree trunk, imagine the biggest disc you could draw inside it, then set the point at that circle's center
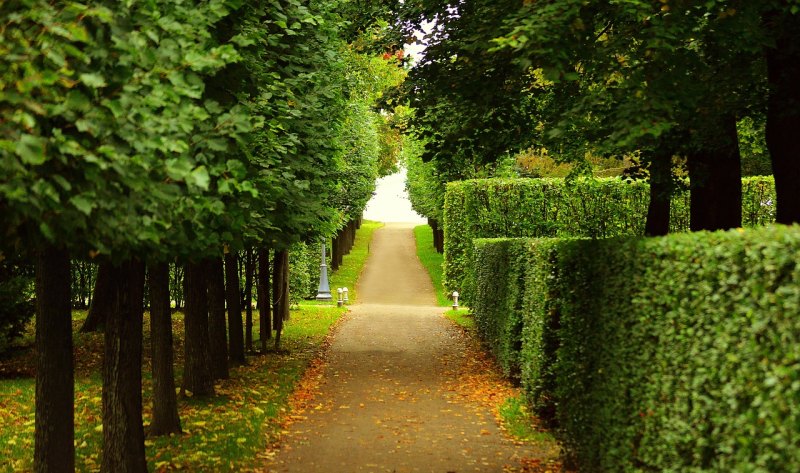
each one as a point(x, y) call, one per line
point(217, 331)
point(248, 300)
point(232, 296)
point(657, 223)
point(123, 434)
point(280, 290)
point(335, 252)
point(265, 315)
point(54, 450)
point(178, 287)
point(716, 181)
point(783, 115)
point(197, 377)
point(438, 235)
point(165, 402)
point(102, 300)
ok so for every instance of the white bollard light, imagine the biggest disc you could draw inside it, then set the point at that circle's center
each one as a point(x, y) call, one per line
point(455, 300)
point(346, 300)
point(339, 301)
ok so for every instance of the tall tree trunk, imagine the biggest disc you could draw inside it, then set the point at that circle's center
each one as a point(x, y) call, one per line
point(197, 377)
point(265, 315)
point(232, 296)
point(123, 433)
point(716, 181)
point(165, 403)
point(335, 252)
point(217, 331)
point(102, 301)
point(248, 297)
point(280, 290)
point(54, 434)
point(657, 223)
point(783, 115)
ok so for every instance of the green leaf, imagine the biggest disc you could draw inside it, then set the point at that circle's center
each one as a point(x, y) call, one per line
point(31, 149)
point(93, 80)
point(199, 177)
point(83, 204)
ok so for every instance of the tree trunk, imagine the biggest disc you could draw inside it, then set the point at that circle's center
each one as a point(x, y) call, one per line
point(335, 252)
point(716, 181)
point(783, 115)
point(658, 209)
point(248, 298)
point(265, 316)
point(197, 377)
point(54, 449)
point(165, 403)
point(102, 300)
point(280, 290)
point(232, 296)
point(123, 433)
point(218, 340)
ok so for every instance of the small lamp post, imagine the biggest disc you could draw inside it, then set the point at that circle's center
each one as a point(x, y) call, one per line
point(324, 290)
point(340, 301)
point(344, 291)
point(455, 300)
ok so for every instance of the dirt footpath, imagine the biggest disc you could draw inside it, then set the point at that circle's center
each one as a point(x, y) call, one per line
point(386, 400)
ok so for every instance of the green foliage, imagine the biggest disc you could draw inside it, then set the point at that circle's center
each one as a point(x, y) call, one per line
point(16, 299)
point(596, 208)
point(304, 260)
point(663, 354)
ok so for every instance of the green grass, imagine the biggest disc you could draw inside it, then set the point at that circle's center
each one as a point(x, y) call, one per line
point(432, 261)
point(228, 432)
point(519, 422)
point(348, 272)
point(461, 317)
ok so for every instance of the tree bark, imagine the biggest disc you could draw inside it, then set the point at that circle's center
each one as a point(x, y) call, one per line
point(280, 290)
point(54, 449)
point(102, 300)
point(265, 315)
point(197, 378)
point(335, 252)
point(165, 403)
point(658, 209)
point(123, 433)
point(232, 297)
point(716, 181)
point(248, 298)
point(783, 114)
point(218, 339)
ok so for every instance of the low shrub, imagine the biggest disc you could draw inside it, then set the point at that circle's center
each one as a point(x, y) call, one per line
point(678, 353)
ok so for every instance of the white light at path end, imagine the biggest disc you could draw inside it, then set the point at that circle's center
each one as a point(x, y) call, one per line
point(390, 202)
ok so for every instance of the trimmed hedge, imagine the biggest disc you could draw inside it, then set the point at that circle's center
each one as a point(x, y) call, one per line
point(679, 353)
point(597, 208)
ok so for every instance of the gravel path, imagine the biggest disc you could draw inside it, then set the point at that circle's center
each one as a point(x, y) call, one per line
point(386, 401)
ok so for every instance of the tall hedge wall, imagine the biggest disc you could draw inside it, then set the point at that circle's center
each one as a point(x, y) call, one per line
point(679, 353)
point(601, 208)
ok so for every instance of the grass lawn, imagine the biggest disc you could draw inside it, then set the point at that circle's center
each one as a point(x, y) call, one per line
point(432, 261)
point(227, 432)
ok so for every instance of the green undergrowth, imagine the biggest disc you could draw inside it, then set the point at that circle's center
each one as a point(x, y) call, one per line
point(462, 317)
point(432, 261)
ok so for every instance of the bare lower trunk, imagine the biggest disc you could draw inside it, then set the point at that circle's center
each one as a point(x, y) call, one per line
point(783, 115)
point(660, 194)
point(217, 331)
point(54, 434)
point(265, 316)
point(280, 290)
point(123, 434)
point(165, 403)
point(235, 328)
point(197, 377)
point(102, 300)
point(716, 181)
point(248, 301)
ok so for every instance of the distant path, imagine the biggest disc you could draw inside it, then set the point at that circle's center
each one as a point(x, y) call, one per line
point(384, 403)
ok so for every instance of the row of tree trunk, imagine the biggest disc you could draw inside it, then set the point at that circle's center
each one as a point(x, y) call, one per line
point(438, 235)
point(343, 242)
point(214, 340)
